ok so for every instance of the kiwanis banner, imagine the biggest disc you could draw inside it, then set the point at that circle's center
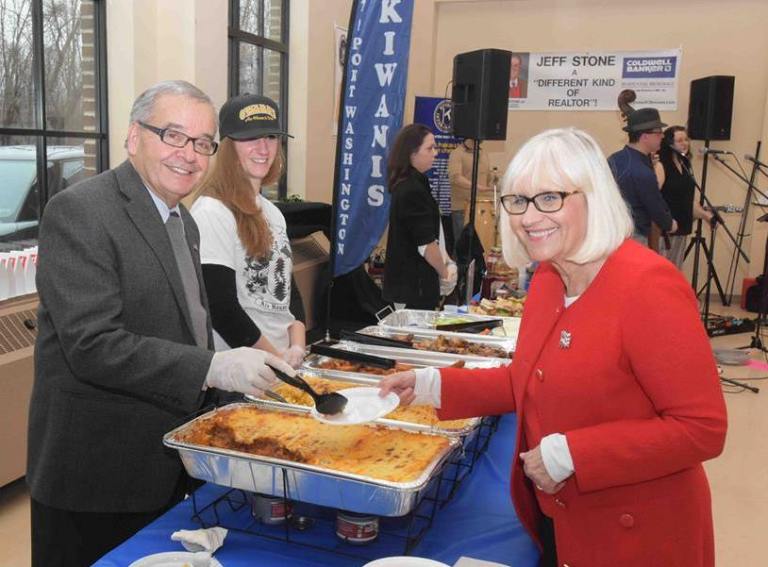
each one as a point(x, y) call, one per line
point(379, 39)
point(436, 114)
point(593, 80)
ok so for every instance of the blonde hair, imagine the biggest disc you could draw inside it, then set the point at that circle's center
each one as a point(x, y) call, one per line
point(570, 157)
point(227, 181)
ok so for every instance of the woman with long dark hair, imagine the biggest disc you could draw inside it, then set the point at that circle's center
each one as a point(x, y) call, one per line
point(244, 248)
point(678, 191)
point(417, 270)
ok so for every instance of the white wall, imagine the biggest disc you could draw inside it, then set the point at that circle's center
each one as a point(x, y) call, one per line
point(156, 40)
point(152, 40)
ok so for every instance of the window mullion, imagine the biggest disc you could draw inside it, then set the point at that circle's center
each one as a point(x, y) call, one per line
point(38, 85)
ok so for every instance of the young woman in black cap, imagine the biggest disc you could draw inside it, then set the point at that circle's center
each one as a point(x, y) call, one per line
point(244, 248)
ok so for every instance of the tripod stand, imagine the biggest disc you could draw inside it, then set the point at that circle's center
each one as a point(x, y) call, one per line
point(698, 243)
point(742, 231)
point(756, 341)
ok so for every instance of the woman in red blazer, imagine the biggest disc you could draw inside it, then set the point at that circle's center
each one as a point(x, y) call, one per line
point(614, 383)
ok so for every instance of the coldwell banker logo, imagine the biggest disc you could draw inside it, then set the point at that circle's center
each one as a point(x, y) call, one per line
point(649, 68)
point(443, 116)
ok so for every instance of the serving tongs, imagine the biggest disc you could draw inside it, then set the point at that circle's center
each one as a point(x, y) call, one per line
point(352, 356)
point(471, 326)
point(366, 339)
point(327, 404)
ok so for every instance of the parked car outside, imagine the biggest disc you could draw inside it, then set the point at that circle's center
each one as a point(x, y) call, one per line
point(19, 186)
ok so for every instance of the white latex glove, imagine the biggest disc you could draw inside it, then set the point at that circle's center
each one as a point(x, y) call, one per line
point(448, 283)
point(244, 370)
point(294, 355)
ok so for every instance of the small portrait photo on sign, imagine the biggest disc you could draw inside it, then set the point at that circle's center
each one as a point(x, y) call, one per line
point(518, 75)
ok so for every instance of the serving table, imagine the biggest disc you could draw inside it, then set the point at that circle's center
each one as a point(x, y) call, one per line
point(479, 522)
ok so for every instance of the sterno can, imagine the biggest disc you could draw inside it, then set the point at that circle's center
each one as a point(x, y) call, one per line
point(270, 509)
point(356, 528)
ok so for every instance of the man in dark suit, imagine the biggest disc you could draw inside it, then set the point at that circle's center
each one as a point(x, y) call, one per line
point(122, 353)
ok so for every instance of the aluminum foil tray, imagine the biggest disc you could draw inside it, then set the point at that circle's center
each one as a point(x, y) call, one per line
point(365, 380)
point(506, 343)
point(416, 358)
point(423, 319)
point(306, 483)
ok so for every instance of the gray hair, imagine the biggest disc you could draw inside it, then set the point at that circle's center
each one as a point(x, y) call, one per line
point(570, 157)
point(145, 102)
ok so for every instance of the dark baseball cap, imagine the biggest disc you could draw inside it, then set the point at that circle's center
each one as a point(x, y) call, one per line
point(249, 116)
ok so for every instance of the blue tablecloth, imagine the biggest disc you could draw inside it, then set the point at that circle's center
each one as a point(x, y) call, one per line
point(478, 522)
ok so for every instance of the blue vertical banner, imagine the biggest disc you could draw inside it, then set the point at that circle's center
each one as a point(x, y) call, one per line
point(436, 114)
point(372, 108)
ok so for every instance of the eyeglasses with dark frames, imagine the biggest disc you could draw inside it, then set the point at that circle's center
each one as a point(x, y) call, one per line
point(545, 202)
point(203, 146)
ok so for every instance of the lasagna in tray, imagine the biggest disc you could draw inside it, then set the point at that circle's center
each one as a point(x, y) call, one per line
point(422, 415)
point(375, 452)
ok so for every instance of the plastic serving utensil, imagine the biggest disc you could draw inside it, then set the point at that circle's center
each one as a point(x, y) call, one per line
point(353, 356)
point(328, 404)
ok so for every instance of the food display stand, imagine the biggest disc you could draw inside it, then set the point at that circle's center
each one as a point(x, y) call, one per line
point(478, 522)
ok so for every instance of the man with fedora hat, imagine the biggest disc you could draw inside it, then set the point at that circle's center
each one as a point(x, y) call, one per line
point(633, 169)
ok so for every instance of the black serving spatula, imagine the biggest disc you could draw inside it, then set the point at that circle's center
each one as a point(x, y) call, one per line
point(366, 339)
point(471, 326)
point(327, 404)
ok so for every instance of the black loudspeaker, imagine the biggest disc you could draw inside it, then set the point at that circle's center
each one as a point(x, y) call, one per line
point(711, 108)
point(480, 92)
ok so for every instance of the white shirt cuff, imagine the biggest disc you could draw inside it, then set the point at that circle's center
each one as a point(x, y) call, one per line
point(427, 389)
point(557, 456)
point(423, 249)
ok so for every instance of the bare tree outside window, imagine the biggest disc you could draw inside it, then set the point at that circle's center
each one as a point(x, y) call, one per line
point(258, 55)
point(16, 105)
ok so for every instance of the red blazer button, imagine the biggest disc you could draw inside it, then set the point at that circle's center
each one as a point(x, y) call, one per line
point(627, 520)
point(560, 503)
point(540, 374)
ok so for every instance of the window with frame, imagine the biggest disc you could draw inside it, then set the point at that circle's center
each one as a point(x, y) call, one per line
point(258, 59)
point(53, 121)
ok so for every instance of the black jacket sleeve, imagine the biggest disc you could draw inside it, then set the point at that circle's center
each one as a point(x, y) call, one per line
point(297, 306)
point(227, 315)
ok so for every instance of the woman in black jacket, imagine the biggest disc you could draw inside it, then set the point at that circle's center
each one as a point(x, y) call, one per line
point(417, 270)
point(678, 191)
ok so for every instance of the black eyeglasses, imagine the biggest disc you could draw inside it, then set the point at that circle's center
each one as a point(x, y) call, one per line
point(203, 146)
point(545, 202)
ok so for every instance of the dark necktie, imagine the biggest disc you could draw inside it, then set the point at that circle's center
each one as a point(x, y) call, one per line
point(175, 228)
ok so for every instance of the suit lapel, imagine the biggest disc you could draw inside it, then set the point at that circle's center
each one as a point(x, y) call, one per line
point(145, 216)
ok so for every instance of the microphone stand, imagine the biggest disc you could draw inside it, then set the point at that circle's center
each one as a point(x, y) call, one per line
point(717, 218)
point(705, 200)
point(742, 231)
point(699, 242)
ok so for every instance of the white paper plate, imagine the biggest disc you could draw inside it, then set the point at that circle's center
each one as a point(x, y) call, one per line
point(405, 561)
point(732, 356)
point(364, 405)
point(176, 559)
